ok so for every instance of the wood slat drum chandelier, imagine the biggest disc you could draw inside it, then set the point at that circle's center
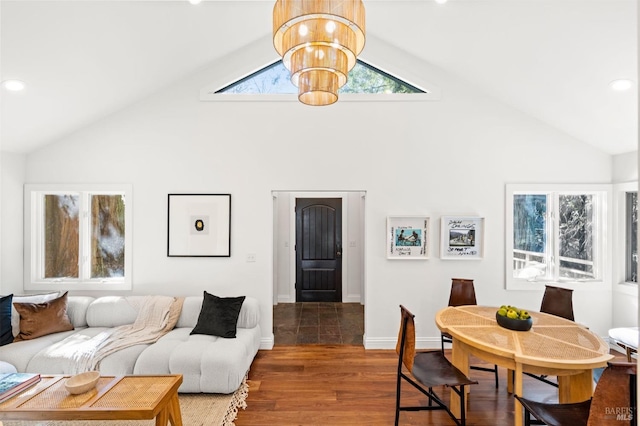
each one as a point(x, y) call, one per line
point(319, 42)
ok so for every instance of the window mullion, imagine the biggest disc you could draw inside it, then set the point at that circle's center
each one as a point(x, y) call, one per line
point(85, 238)
point(598, 226)
point(554, 236)
point(38, 244)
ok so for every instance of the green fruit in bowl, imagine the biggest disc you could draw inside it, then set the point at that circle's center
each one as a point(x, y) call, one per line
point(512, 314)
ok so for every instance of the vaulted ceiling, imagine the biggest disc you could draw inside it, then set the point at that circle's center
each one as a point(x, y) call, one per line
point(82, 60)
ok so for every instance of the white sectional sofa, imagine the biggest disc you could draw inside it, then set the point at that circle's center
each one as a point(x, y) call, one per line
point(209, 364)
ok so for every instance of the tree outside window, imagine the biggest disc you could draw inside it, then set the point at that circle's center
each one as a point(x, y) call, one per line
point(363, 78)
point(631, 233)
point(78, 238)
point(554, 235)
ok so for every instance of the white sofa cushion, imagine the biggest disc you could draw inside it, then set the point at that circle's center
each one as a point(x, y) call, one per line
point(208, 364)
point(111, 311)
point(48, 360)
point(77, 310)
point(625, 335)
point(6, 368)
point(20, 353)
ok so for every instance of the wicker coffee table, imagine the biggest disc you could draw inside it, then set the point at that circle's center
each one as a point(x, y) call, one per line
point(114, 398)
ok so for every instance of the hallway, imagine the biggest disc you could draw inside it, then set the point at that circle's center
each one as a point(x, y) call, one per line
point(322, 322)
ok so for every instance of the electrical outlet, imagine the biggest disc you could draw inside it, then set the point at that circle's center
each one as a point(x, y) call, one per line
point(251, 257)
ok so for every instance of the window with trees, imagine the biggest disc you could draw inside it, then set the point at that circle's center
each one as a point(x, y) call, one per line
point(555, 234)
point(363, 78)
point(631, 237)
point(78, 237)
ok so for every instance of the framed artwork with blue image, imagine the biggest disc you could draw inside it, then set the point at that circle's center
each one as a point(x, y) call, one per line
point(407, 237)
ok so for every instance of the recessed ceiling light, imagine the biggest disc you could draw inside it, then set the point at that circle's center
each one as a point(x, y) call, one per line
point(620, 85)
point(441, 1)
point(13, 85)
point(195, 1)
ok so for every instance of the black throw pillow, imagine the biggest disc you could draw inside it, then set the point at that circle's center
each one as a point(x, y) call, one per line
point(219, 316)
point(6, 333)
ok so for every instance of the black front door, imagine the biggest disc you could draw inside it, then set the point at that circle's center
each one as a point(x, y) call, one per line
point(318, 250)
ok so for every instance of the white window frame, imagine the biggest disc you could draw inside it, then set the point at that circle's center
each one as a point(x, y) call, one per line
point(620, 273)
point(34, 236)
point(602, 257)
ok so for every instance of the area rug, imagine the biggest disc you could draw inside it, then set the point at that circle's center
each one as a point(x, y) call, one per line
point(196, 409)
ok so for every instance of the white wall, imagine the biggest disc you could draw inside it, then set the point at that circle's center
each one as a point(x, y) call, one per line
point(452, 156)
point(625, 296)
point(625, 167)
point(12, 178)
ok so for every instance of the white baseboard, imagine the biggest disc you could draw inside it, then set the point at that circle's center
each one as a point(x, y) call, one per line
point(266, 343)
point(390, 342)
point(285, 298)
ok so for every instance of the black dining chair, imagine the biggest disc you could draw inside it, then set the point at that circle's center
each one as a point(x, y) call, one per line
point(426, 370)
point(556, 301)
point(463, 293)
point(614, 402)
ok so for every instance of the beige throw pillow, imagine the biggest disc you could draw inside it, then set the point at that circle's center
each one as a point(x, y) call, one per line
point(40, 319)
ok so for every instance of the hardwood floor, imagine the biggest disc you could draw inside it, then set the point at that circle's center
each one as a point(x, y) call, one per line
point(333, 385)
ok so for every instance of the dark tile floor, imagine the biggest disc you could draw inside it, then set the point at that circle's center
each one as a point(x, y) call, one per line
point(323, 322)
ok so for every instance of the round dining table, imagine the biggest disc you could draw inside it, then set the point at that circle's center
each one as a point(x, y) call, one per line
point(553, 346)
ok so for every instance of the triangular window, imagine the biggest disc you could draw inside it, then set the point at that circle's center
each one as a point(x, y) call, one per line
point(363, 78)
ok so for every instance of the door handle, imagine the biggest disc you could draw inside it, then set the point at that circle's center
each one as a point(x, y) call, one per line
point(338, 251)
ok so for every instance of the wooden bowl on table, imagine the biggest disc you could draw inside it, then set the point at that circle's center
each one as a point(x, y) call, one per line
point(83, 382)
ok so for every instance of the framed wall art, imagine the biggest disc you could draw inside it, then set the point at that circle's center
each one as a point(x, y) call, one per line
point(199, 225)
point(462, 237)
point(407, 237)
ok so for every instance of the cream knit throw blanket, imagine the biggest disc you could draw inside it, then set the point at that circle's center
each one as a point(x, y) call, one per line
point(157, 315)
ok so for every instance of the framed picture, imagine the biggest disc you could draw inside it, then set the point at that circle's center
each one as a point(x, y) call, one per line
point(407, 237)
point(462, 237)
point(199, 225)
